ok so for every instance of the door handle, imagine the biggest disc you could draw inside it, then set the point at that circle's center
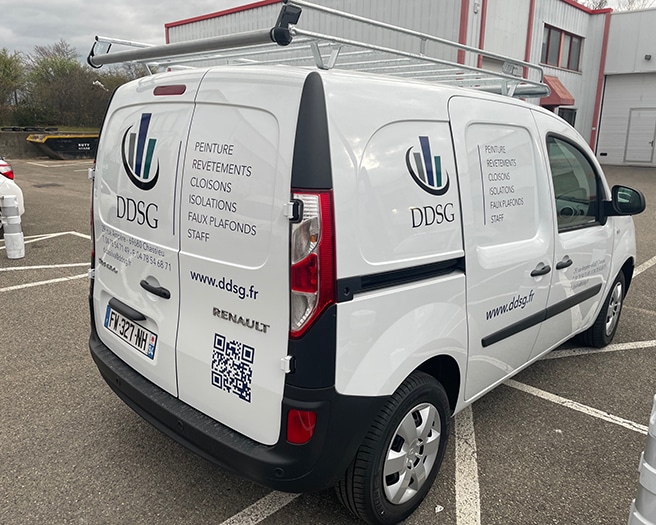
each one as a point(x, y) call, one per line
point(160, 291)
point(565, 263)
point(127, 311)
point(542, 269)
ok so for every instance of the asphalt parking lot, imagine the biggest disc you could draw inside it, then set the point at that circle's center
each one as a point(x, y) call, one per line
point(559, 444)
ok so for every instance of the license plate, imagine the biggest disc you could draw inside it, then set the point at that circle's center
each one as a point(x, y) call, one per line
point(134, 334)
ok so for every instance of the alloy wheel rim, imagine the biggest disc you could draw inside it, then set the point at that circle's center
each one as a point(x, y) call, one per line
point(411, 453)
point(614, 306)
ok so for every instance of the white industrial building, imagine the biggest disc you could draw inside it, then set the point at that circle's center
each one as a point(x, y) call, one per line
point(597, 63)
point(628, 117)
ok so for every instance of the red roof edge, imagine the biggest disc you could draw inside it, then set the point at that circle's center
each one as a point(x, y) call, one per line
point(209, 16)
point(573, 3)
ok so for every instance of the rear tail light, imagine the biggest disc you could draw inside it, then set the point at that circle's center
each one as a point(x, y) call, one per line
point(312, 274)
point(5, 169)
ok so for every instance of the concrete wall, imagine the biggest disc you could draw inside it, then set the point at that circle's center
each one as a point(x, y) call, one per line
point(14, 146)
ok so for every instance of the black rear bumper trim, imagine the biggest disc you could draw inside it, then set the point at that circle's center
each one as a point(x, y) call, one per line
point(342, 422)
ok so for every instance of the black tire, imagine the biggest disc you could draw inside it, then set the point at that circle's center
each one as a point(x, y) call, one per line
point(603, 330)
point(365, 490)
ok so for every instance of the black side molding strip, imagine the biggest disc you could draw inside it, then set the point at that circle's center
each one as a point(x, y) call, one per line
point(348, 287)
point(539, 317)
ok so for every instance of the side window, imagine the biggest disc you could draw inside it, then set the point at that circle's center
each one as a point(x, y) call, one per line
point(575, 185)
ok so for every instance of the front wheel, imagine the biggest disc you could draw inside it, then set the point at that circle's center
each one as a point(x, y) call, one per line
point(401, 454)
point(603, 330)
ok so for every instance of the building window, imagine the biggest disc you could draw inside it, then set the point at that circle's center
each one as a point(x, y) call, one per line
point(568, 115)
point(561, 49)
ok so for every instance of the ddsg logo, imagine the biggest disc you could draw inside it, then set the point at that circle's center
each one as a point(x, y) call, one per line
point(429, 215)
point(137, 152)
point(426, 169)
point(136, 211)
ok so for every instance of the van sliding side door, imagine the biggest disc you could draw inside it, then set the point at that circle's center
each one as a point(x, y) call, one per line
point(508, 232)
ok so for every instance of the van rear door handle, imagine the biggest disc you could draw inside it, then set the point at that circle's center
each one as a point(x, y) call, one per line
point(160, 291)
point(127, 311)
point(565, 263)
point(542, 269)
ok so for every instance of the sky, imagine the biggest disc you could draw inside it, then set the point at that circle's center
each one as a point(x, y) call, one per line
point(28, 23)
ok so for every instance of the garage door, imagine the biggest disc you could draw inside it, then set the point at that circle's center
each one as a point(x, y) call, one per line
point(641, 136)
point(628, 120)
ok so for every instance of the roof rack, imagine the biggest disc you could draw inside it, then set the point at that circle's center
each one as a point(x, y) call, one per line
point(424, 57)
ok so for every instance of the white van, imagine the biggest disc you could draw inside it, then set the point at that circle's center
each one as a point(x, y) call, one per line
point(303, 275)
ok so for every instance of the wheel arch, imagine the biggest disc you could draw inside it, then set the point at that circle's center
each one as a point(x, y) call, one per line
point(627, 269)
point(445, 369)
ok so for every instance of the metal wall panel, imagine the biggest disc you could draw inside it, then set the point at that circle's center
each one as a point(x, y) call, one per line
point(621, 94)
point(505, 32)
point(441, 18)
point(581, 84)
point(506, 27)
point(632, 36)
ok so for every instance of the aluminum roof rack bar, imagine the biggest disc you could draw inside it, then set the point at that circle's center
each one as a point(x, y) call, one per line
point(99, 54)
point(540, 88)
point(421, 36)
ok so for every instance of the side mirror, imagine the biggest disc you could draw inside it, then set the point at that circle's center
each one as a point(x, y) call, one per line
point(625, 201)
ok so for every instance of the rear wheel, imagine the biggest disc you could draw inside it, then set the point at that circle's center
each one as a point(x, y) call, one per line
point(399, 458)
point(603, 330)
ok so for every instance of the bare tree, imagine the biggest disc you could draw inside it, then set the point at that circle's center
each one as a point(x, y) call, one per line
point(620, 5)
point(632, 5)
point(596, 4)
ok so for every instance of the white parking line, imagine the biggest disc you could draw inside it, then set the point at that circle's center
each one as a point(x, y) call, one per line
point(575, 352)
point(468, 500)
point(644, 266)
point(261, 509)
point(43, 267)
point(41, 283)
point(78, 234)
point(45, 236)
point(60, 165)
point(600, 414)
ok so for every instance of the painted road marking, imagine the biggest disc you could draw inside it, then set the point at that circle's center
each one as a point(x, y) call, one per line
point(575, 352)
point(468, 499)
point(60, 165)
point(594, 412)
point(45, 236)
point(44, 267)
point(261, 509)
point(41, 283)
point(644, 266)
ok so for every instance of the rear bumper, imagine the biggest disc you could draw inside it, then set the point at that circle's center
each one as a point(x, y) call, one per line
point(342, 422)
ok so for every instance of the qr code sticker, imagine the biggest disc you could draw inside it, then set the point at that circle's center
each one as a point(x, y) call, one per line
point(232, 366)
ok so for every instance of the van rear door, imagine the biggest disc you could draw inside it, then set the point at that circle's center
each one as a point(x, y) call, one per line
point(136, 191)
point(234, 258)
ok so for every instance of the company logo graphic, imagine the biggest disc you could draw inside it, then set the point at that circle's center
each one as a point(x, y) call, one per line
point(426, 169)
point(137, 151)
